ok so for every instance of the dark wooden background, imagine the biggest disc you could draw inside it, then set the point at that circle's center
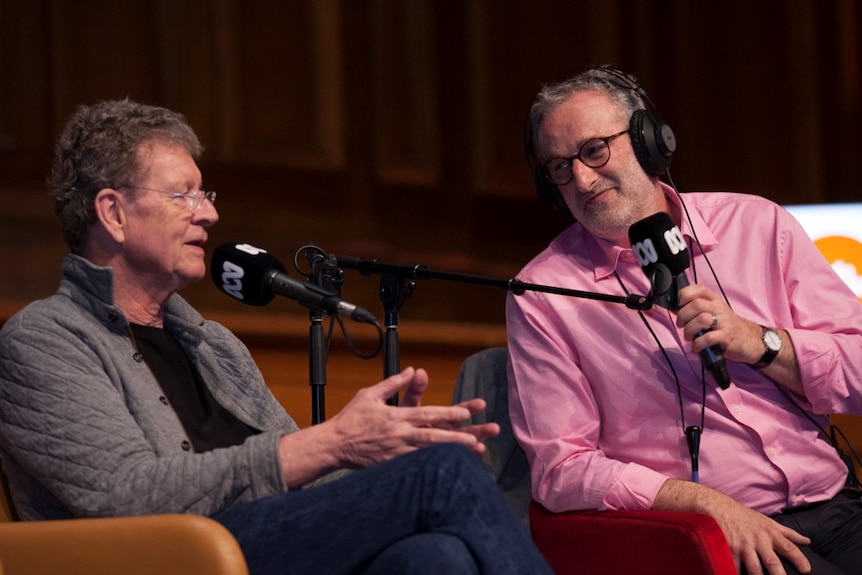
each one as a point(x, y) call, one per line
point(394, 129)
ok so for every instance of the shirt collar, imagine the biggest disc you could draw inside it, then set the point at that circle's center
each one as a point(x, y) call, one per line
point(607, 255)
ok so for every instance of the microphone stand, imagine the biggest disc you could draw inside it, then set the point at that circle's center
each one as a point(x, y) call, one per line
point(325, 274)
point(393, 292)
point(316, 366)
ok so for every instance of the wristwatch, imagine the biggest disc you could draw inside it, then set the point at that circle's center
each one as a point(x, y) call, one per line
point(772, 341)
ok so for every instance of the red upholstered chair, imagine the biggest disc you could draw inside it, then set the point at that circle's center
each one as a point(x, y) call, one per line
point(588, 542)
point(642, 542)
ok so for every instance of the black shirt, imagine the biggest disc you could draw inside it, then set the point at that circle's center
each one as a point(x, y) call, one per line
point(207, 423)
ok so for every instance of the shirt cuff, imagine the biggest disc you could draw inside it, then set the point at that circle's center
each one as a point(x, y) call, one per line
point(635, 488)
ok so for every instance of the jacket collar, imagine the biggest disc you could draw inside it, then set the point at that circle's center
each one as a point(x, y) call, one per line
point(92, 287)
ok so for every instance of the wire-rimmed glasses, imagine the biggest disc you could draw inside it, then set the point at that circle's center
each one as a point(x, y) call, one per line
point(193, 199)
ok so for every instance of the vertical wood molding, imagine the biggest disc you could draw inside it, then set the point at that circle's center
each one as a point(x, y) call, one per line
point(806, 135)
point(280, 84)
point(407, 136)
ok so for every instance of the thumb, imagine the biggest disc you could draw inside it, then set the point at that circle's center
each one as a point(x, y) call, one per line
point(394, 383)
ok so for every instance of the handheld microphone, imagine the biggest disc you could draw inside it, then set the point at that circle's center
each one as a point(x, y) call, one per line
point(661, 251)
point(253, 276)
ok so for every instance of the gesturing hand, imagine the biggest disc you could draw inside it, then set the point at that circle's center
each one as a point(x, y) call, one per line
point(368, 431)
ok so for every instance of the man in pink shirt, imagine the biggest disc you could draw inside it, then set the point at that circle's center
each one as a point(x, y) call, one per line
point(603, 397)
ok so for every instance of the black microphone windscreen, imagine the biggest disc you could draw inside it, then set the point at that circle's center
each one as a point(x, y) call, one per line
point(661, 251)
point(244, 272)
point(657, 240)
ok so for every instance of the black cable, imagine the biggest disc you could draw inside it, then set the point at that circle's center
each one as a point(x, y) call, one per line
point(324, 272)
point(691, 433)
point(697, 241)
point(830, 437)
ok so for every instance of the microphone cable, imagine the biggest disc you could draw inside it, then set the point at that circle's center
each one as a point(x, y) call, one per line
point(830, 435)
point(692, 433)
point(697, 241)
point(324, 272)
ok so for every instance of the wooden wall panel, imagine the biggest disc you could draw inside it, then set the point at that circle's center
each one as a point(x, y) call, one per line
point(287, 61)
point(405, 93)
point(395, 129)
point(842, 92)
point(102, 50)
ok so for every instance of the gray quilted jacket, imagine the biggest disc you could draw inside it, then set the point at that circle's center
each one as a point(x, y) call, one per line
point(84, 429)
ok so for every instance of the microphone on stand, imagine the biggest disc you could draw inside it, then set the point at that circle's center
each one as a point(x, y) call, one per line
point(661, 251)
point(255, 277)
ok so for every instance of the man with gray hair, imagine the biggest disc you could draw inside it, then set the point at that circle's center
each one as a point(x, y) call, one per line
point(118, 398)
point(715, 399)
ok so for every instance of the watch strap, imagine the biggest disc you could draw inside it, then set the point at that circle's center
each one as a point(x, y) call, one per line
point(768, 356)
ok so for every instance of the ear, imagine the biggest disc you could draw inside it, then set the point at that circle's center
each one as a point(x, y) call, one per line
point(110, 214)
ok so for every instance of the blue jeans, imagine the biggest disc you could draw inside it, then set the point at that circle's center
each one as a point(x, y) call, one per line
point(435, 510)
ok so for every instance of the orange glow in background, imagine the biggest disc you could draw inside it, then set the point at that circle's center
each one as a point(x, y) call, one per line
point(837, 232)
point(845, 256)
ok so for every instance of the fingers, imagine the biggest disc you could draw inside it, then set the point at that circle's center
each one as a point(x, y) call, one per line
point(764, 556)
point(475, 405)
point(700, 310)
point(417, 380)
point(768, 561)
point(794, 536)
point(483, 431)
point(707, 320)
point(443, 416)
point(713, 324)
point(789, 549)
point(751, 560)
point(796, 557)
point(470, 436)
point(379, 431)
point(416, 388)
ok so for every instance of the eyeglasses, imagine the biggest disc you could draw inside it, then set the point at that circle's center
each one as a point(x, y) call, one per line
point(192, 199)
point(593, 153)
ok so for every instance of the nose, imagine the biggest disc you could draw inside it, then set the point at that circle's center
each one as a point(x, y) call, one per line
point(206, 215)
point(583, 176)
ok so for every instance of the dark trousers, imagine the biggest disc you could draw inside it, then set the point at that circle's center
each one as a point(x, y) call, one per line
point(435, 510)
point(835, 530)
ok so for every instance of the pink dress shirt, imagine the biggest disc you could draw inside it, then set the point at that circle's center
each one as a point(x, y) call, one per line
point(594, 401)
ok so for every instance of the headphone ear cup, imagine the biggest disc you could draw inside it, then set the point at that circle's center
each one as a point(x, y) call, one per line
point(653, 142)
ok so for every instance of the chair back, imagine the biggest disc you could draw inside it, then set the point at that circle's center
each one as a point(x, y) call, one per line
point(484, 375)
point(7, 511)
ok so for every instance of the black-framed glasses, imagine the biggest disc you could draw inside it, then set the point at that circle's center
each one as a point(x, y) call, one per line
point(192, 199)
point(593, 153)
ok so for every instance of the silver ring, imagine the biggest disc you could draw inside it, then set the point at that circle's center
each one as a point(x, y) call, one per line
point(714, 323)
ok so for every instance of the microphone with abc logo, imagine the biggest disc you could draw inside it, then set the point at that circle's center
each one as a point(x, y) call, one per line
point(255, 277)
point(663, 256)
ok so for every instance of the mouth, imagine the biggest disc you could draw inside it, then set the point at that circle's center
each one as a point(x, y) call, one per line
point(197, 243)
point(594, 197)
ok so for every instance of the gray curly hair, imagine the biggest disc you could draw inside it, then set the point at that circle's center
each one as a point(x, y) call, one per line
point(99, 149)
point(622, 89)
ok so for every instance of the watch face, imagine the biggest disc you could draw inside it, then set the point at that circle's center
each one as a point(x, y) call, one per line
point(772, 340)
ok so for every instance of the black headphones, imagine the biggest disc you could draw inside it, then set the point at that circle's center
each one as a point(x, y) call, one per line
point(653, 141)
